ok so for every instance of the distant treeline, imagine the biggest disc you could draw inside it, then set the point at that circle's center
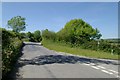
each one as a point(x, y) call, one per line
point(76, 32)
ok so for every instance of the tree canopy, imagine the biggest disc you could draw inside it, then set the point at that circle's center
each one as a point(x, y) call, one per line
point(17, 24)
point(78, 30)
point(48, 34)
point(37, 36)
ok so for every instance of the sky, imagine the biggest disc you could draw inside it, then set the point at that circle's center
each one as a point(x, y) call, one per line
point(54, 15)
point(60, 0)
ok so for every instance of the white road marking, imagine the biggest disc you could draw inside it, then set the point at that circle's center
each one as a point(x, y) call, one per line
point(106, 71)
point(113, 71)
point(118, 76)
point(94, 67)
point(92, 64)
point(86, 64)
point(101, 67)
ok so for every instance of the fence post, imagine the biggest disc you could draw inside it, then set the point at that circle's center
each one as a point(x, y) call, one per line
point(112, 51)
point(98, 44)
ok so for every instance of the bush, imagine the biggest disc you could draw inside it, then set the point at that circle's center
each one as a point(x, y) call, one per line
point(93, 45)
point(37, 36)
point(103, 46)
point(11, 46)
point(26, 40)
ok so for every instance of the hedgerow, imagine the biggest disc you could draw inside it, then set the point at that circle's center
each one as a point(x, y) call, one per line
point(11, 46)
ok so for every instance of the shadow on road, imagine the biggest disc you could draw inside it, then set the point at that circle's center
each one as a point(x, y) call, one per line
point(60, 59)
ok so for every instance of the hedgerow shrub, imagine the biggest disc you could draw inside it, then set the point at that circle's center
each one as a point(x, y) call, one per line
point(103, 46)
point(11, 46)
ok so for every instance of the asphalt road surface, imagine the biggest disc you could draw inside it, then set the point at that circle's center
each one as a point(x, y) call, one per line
point(40, 62)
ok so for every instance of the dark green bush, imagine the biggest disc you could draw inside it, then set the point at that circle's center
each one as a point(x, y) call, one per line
point(11, 46)
point(103, 46)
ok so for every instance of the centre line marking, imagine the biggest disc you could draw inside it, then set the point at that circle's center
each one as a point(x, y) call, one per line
point(106, 72)
point(101, 67)
point(118, 76)
point(94, 67)
point(86, 64)
point(92, 64)
point(113, 71)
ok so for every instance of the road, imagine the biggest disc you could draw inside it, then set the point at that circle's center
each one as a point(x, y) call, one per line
point(40, 62)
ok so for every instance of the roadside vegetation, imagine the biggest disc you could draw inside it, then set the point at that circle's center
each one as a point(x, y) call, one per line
point(11, 46)
point(67, 48)
point(12, 42)
point(76, 37)
point(82, 39)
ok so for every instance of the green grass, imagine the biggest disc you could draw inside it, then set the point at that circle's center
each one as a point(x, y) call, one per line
point(26, 40)
point(62, 47)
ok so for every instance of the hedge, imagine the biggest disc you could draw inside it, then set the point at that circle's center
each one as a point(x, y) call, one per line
point(11, 46)
point(93, 45)
point(103, 46)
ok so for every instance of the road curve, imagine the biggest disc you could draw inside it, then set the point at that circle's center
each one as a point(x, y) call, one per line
point(40, 62)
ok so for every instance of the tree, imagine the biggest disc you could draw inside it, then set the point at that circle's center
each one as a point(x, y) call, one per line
point(37, 36)
point(78, 31)
point(22, 35)
point(30, 36)
point(46, 34)
point(17, 24)
point(98, 34)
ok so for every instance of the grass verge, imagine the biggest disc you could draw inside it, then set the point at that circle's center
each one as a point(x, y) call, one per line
point(62, 47)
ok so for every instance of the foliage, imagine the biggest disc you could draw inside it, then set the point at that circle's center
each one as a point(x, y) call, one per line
point(103, 46)
point(48, 34)
point(78, 31)
point(30, 36)
point(37, 36)
point(17, 23)
point(11, 46)
point(25, 40)
point(22, 35)
point(63, 47)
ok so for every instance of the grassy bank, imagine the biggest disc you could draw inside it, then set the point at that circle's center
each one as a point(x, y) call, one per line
point(62, 47)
